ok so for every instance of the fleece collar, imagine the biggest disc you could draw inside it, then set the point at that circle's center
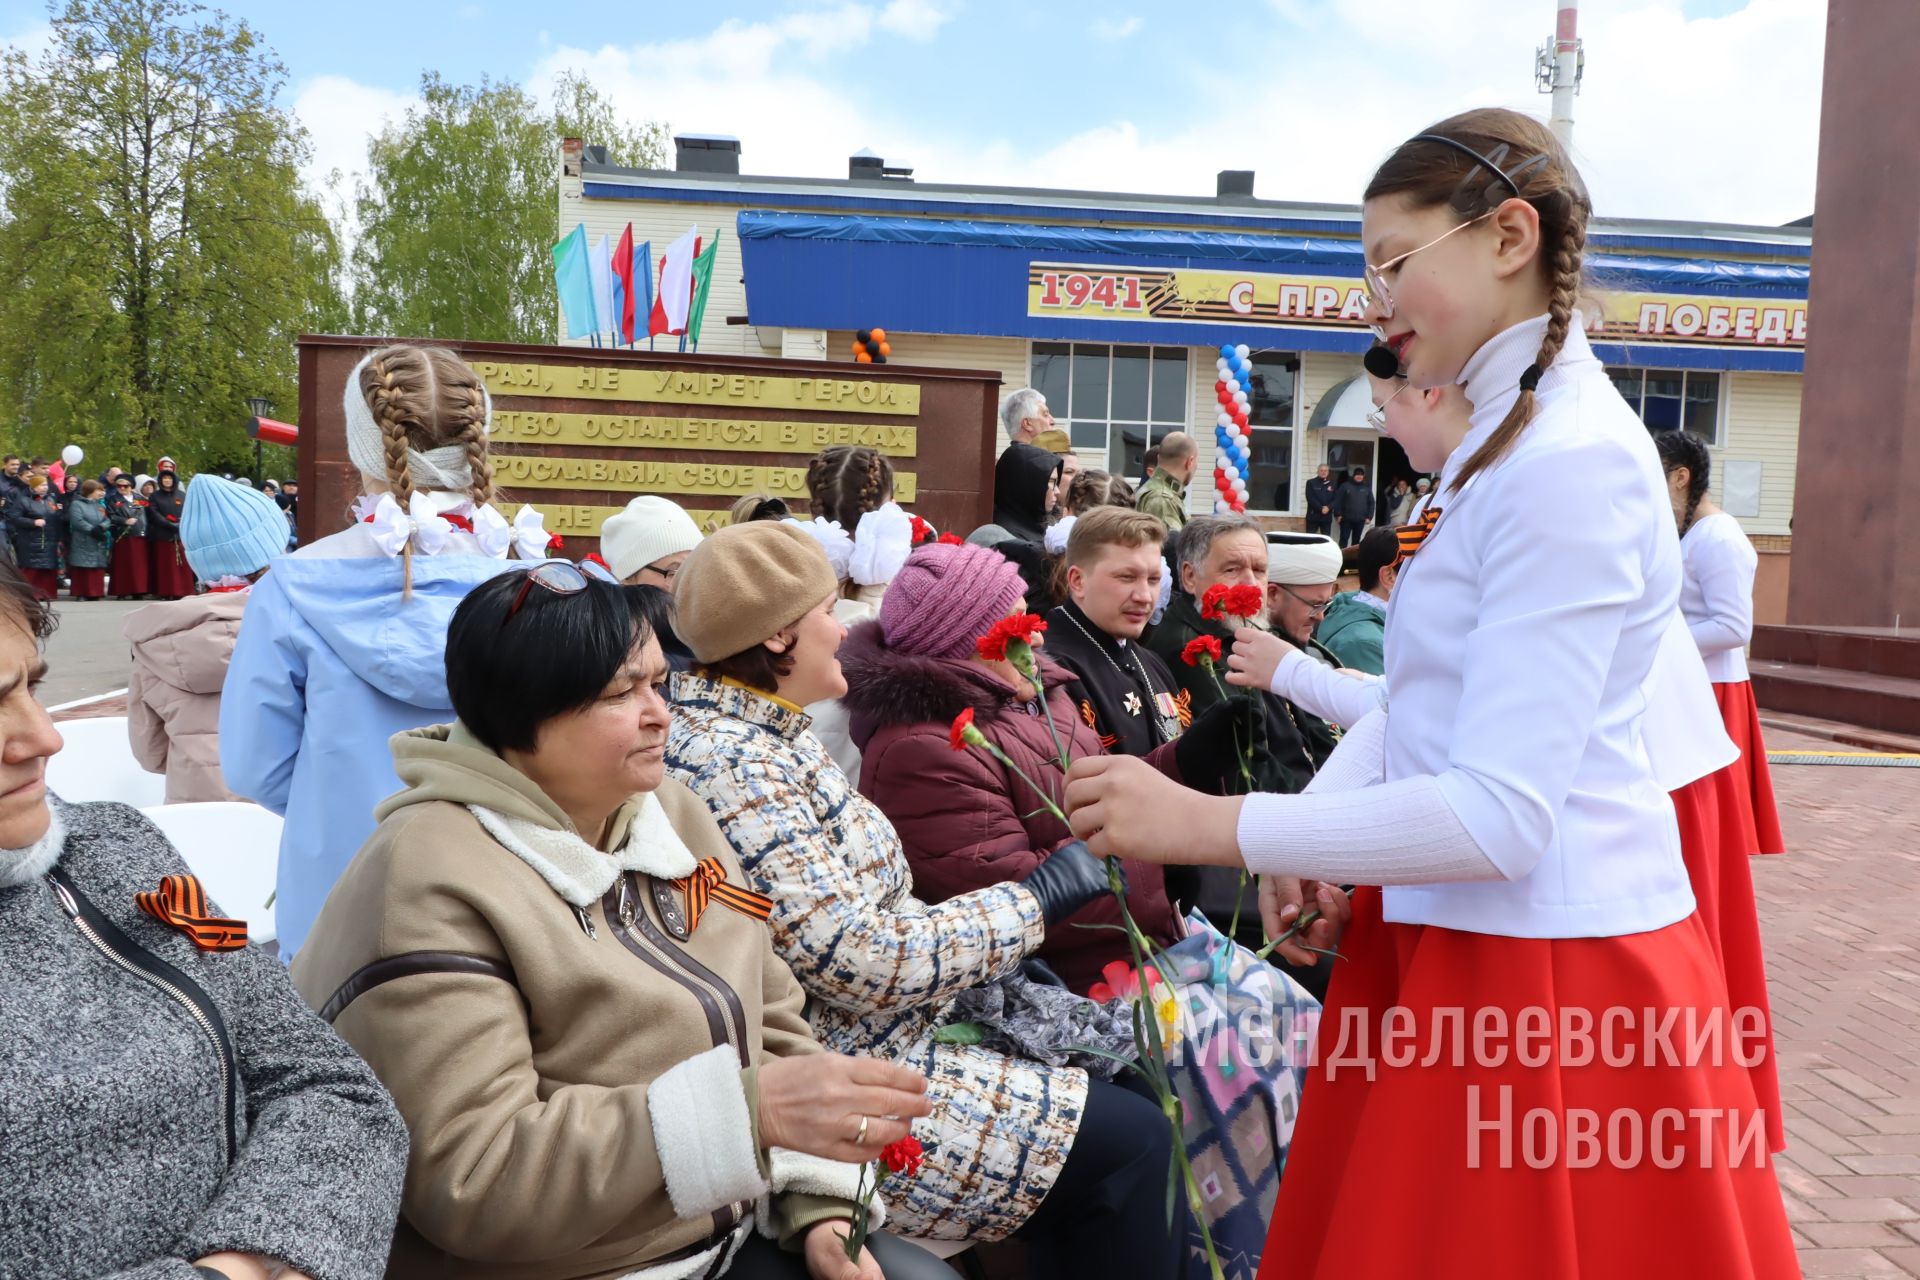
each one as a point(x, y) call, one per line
point(580, 873)
point(18, 866)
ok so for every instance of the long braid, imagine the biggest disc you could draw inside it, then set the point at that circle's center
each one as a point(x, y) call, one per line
point(1561, 308)
point(473, 436)
point(391, 400)
point(1681, 448)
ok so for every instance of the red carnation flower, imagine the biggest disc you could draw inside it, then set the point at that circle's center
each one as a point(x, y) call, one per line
point(1019, 626)
point(903, 1157)
point(556, 543)
point(1201, 649)
point(951, 540)
point(1223, 601)
point(922, 531)
point(961, 723)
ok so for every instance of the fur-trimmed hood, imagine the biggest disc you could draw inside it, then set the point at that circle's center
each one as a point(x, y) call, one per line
point(887, 687)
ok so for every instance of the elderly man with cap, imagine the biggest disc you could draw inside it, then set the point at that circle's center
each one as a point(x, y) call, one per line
point(229, 532)
point(1288, 744)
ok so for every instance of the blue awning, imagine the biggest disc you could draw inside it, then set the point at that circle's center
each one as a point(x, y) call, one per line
point(969, 276)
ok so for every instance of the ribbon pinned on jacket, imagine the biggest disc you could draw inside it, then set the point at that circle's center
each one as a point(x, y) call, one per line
point(182, 903)
point(708, 883)
point(1411, 536)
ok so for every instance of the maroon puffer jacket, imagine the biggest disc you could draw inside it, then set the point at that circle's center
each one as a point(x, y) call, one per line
point(965, 819)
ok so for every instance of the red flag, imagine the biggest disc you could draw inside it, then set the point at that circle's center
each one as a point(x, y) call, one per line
point(657, 318)
point(623, 271)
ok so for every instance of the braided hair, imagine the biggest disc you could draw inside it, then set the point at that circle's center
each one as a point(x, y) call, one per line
point(846, 481)
point(426, 398)
point(1430, 173)
point(1684, 449)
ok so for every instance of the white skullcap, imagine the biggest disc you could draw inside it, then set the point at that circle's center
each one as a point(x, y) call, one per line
point(1302, 559)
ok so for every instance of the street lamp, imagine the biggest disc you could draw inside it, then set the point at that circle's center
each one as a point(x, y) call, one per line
point(260, 407)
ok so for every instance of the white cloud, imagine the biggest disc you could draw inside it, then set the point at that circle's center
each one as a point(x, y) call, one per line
point(33, 41)
point(1115, 28)
point(341, 115)
point(915, 19)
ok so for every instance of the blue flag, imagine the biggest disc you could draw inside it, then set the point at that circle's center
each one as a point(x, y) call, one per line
point(573, 277)
point(642, 284)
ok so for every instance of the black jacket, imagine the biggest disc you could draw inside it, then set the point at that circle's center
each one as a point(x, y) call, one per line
point(163, 513)
point(1020, 490)
point(34, 548)
point(1319, 494)
point(1354, 501)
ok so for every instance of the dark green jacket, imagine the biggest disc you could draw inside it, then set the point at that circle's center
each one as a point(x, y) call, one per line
point(1165, 498)
point(1355, 632)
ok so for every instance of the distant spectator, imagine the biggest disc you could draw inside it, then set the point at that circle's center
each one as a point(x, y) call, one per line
point(130, 565)
point(1026, 486)
point(1024, 415)
point(1165, 496)
point(181, 647)
point(1397, 498)
point(36, 545)
point(89, 541)
point(644, 545)
point(171, 576)
point(1150, 462)
point(758, 506)
point(1356, 622)
point(1320, 501)
point(1353, 504)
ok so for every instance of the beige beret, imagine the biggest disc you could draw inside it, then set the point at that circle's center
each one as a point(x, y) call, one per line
point(745, 582)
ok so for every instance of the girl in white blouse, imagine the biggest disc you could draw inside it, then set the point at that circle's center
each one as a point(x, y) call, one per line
point(1503, 1087)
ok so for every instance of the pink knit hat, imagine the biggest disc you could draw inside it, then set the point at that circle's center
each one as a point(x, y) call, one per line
point(947, 596)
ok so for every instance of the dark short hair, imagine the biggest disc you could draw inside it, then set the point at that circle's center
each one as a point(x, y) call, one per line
point(508, 675)
point(1377, 550)
point(758, 668)
point(21, 604)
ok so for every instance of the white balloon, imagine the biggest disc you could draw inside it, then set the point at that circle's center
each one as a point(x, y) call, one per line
point(1243, 351)
point(1221, 507)
point(71, 455)
point(1226, 421)
point(1240, 398)
point(1221, 366)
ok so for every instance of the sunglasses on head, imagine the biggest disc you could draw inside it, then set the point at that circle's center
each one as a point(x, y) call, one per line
point(562, 577)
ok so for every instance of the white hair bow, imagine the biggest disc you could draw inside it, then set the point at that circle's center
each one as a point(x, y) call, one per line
point(833, 540)
point(1056, 537)
point(393, 528)
point(881, 544)
point(527, 535)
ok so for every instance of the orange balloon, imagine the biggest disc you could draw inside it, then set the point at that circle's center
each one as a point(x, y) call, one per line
point(879, 335)
point(857, 346)
point(863, 357)
point(886, 348)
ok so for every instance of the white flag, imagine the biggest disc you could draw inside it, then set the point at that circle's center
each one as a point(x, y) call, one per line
point(676, 281)
point(601, 264)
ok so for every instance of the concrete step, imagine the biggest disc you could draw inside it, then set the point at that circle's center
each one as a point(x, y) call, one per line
point(1879, 651)
point(1890, 703)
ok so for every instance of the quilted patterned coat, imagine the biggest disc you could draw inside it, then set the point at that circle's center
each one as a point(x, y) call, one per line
point(882, 967)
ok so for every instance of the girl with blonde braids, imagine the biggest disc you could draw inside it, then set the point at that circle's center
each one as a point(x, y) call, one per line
point(342, 643)
point(1522, 860)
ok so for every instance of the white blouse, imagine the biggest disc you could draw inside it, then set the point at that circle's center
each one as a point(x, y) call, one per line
point(1520, 644)
point(1717, 596)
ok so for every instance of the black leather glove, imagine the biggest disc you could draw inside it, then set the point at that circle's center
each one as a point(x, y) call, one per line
point(1067, 881)
point(1209, 753)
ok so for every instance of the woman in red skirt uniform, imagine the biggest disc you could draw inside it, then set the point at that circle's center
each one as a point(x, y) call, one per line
point(172, 575)
point(1528, 1064)
point(130, 566)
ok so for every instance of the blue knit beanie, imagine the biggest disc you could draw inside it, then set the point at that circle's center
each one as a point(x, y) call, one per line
point(228, 528)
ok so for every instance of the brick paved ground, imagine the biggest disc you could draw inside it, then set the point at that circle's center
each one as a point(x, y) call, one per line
point(1841, 916)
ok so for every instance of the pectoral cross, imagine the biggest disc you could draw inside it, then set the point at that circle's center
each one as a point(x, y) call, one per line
point(1132, 703)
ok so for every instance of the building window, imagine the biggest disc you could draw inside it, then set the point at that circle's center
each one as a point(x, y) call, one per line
point(1115, 400)
point(1270, 426)
point(1669, 398)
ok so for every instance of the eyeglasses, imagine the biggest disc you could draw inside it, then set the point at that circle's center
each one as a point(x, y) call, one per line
point(1377, 417)
point(671, 572)
point(1378, 295)
point(1313, 610)
point(562, 577)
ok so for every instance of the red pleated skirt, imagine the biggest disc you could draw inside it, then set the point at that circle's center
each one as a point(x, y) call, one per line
point(1757, 818)
point(86, 584)
point(1384, 1178)
point(130, 567)
point(172, 576)
point(45, 582)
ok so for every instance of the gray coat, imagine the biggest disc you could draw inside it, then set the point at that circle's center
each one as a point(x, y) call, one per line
point(114, 1125)
point(89, 537)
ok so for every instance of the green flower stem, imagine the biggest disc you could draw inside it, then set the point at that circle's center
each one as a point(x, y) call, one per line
point(1006, 760)
point(1290, 934)
point(1021, 656)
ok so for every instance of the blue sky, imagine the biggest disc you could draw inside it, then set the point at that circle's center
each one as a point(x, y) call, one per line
point(1702, 109)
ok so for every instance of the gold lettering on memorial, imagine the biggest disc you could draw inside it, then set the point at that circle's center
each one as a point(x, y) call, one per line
point(524, 471)
point(682, 386)
point(574, 520)
point(529, 426)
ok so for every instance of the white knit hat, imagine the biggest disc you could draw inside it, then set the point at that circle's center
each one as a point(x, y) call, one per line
point(648, 529)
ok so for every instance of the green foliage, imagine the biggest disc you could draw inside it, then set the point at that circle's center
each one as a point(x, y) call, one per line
point(157, 253)
point(456, 214)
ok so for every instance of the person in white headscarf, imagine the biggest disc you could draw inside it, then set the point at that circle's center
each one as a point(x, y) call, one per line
point(342, 645)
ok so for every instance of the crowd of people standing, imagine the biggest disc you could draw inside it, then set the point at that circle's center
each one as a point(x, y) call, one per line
point(638, 904)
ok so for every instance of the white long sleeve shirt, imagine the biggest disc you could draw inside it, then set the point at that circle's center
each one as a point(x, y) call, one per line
point(1520, 643)
point(1717, 596)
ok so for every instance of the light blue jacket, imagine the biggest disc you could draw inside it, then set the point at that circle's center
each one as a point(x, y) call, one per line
point(330, 664)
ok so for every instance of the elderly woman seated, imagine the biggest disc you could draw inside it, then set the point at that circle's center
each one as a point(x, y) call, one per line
point(170, 1109)
point(549, 954)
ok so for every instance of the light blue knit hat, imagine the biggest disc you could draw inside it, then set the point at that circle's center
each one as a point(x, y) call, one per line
point(228, 528)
